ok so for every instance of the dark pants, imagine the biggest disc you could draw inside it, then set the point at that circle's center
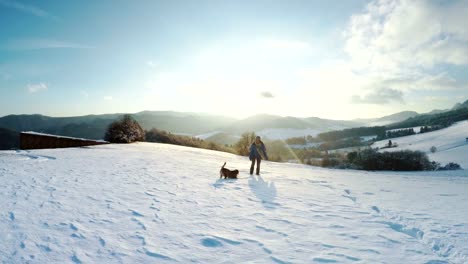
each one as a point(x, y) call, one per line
point(253, 164)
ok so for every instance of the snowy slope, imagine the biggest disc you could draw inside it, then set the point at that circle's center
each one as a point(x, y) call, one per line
point(156, 203)
point(450, 143)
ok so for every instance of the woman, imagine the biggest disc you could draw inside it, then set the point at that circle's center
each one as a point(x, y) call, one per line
point(257, 153)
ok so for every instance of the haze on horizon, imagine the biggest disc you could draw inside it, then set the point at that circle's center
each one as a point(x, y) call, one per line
point(337, 60)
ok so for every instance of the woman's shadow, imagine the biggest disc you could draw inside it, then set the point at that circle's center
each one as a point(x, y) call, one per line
point(265, 191)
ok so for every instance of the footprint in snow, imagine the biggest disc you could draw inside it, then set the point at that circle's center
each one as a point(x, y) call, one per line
point(277, 260)
point(229, 241)
point(271, 231)
point(412, 232)
point(139, 223)
point(211, 242)
point(44, 248)
point(135, 213)
point(437, 262)
point(150, 194)
point(348, 195)
point(375, 208)
point(75, 259)
point(141, 238)
point(157, 255)
point(324, 260)
point(80, 236)
point(102, 241)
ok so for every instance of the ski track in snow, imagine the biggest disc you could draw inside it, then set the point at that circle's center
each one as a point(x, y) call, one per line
point(155, 203)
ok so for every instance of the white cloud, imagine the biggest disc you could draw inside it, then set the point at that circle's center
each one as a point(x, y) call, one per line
point(34, 88)
point(30, 9)
point(402, 46)
point(108, 98)
point(38, 43)
point(267, 95)
point(379, 96)
point(401, 39)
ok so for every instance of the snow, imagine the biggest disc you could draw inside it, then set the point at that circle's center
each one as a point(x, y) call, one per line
point(416, 129)
point(157, 203)
point(207, 135)
point(368, 138)
point(450, 143)
point(307, 145)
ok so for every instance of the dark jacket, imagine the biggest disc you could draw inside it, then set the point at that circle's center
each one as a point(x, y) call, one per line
point(254, 152)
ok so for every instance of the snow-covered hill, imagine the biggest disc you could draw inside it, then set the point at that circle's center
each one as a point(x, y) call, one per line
point(450, 142)
point(156, 203)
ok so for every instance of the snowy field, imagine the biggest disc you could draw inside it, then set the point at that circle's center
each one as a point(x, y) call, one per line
point(156, 203)
point(450, 143)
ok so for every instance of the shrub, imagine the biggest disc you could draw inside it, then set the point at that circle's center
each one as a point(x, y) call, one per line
point(405, 160)
point(450, 166)
point(331, 162)
point(161, 136)
point(242, 146)
point(124, 130)
point(433, 149)
point(352, 156)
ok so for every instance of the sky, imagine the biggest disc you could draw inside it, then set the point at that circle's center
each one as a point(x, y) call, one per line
point(331, 59)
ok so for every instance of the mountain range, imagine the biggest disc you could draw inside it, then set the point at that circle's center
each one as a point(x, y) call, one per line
point(216, 128)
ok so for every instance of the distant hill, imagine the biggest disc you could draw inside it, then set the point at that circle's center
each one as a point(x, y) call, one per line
point(219, 129)
point(261, 122)
point(183, 123)
point(385, 120)
point(91, 126)
point(438, 111)
point(94, 126)
point(399, 116)
point(223, 139)
point(460, 105)
point(439, 119)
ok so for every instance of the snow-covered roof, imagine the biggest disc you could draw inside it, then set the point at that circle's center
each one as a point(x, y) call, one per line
point(58, 136)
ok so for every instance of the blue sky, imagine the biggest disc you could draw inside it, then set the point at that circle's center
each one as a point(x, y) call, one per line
point(339, 59)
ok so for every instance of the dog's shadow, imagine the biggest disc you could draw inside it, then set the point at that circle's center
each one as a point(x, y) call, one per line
point(265, 191)
point(221, 182)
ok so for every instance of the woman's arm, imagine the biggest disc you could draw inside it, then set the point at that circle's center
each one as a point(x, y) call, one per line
point(264, 151)
point(251, 152)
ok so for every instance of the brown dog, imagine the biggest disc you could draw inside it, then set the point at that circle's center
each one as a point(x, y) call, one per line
point(232, 174)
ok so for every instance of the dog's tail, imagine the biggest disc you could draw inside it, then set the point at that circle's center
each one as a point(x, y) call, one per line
point(221, 170)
